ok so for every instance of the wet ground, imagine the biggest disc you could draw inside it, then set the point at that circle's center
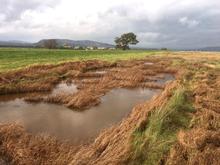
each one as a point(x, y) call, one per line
point(114, 145)
point(163, 78)
point(69, 124)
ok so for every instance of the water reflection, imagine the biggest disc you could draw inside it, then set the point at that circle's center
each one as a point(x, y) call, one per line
point(72, 125)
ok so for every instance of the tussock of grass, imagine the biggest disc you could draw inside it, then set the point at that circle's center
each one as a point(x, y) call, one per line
point(151, 143)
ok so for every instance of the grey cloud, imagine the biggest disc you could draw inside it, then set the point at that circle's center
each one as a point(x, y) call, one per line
point(200, 26)
point(12, 10)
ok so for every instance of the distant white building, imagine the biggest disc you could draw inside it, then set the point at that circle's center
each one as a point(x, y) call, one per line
point(67, 46)
point(90, 48)
point(76, 47)
point(101, 48)
point(111, 48)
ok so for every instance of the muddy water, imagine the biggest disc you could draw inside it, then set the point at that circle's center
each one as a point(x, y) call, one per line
point(67, 88)
point(164, 78)
point(75, 126)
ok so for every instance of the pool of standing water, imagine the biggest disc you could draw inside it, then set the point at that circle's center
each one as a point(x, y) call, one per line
point(74, 126)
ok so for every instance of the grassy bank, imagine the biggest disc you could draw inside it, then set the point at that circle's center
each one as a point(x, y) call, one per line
point(154, 139)
point(15, 58)
point(172, 134)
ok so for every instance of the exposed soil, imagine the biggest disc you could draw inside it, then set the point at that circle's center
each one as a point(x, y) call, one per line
point(198, 145)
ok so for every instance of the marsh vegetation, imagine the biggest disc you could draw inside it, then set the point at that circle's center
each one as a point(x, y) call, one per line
point(161, 109)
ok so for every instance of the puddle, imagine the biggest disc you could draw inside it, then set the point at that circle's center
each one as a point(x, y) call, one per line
point(77, 127)
point(164, 78)
point(67, 88)
point(11, 97)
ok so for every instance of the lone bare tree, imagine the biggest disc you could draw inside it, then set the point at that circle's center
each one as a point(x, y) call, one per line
point(50, 44)
point(124, 40)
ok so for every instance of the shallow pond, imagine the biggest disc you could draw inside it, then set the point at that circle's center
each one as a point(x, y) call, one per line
point(78, 127)
point(67, 88)
point(165, 77)
point(63, 123)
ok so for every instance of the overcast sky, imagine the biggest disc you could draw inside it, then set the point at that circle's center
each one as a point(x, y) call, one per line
point(157, 23)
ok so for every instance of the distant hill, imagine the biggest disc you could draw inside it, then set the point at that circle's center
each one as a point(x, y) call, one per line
point(15, 43)
point(60, 43)
point(74, 43)
point(216, 48)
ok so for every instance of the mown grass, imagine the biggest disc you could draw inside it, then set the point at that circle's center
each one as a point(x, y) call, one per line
point(152, 142)
point(15, 58)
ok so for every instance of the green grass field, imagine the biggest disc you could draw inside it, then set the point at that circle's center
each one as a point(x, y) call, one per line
point(16, 58)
